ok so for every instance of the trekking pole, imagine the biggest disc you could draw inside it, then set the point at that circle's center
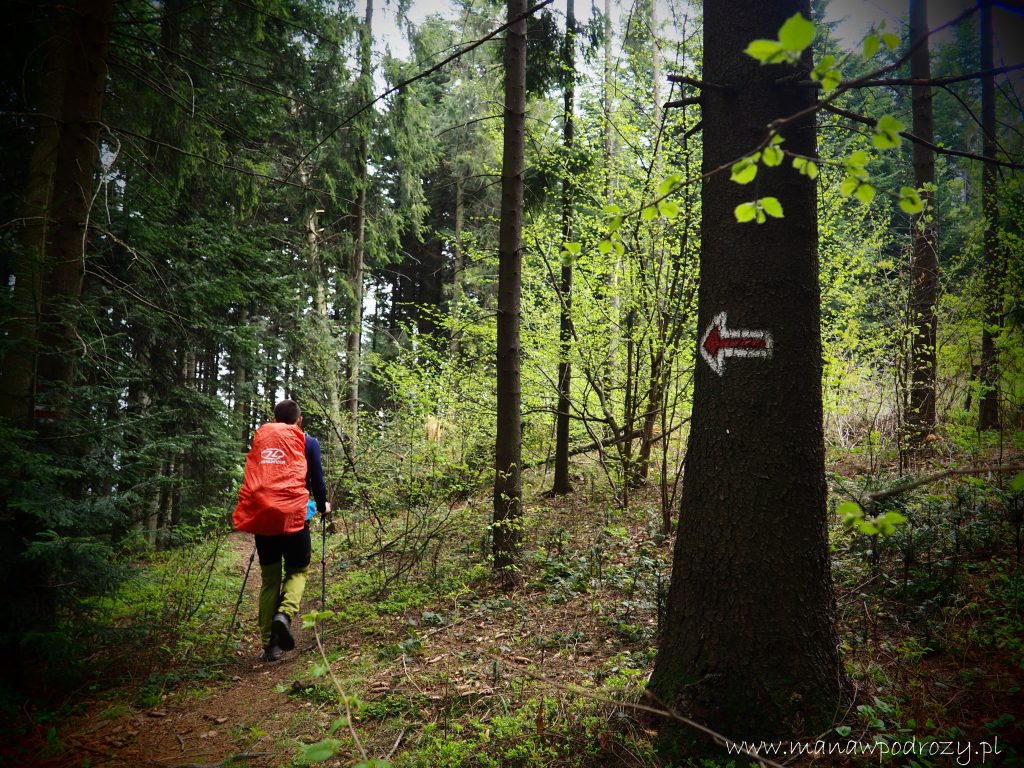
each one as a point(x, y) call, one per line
point(323, 563)
point(238, 603)
point(323, 544)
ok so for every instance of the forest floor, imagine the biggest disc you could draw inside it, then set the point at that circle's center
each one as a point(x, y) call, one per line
point(442, 667)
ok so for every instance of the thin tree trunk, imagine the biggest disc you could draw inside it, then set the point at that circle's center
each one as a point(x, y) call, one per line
point(355, 333)
point(561, 480)
point(924, 272)
point(240, 368)
point(988, 411)
point(749, 641)
point(325, 348)
point(656, 387)
point(508, 441)
point(460, 264)
point(609, 188)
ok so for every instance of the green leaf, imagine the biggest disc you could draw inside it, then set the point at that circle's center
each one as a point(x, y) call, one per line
point(745, 212)
point(772, 156)
point(620, 249)
point(614, 223)
point(668, 209)
point(318, 670)
point(612, 209)
point(869, 529)
point(648, 213)
point(892, 42)
point(669, 184)
point(858, 160)
point(871, 44)
point(849, 186)
point(865, 193)
point(766, 51)
point(318, 752)
point(895, 518)
point(806, 167)
point(771, 206)
point(887, 132)
point(826, 73)
point(910, 201)
point(796, 34)
point(850, 510)
point(604, 247)
point(744, 171)
point(573, 248)
point(337, 725)
point(830, 79)
point(1017, 484)
point(309, 620)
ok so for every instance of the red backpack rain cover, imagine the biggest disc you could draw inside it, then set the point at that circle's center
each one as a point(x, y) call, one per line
point(273, 495)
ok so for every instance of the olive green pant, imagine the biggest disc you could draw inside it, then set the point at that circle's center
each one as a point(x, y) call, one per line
point(287, 553)
point(276, 597)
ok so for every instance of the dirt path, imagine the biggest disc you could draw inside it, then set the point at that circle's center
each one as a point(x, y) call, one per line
point(246, 714)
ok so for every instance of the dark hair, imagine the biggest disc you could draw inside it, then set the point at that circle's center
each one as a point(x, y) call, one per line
point(287, 412)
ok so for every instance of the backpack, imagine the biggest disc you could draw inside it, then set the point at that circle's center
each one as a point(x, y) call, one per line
point(273, 496)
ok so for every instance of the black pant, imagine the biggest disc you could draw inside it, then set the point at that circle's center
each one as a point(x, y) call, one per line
point(296, 548)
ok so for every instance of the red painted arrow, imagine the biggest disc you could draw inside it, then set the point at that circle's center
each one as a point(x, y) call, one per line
point(719, 342)
point(715, 342)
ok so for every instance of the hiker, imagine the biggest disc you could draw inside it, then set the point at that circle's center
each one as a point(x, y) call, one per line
point(283, 486)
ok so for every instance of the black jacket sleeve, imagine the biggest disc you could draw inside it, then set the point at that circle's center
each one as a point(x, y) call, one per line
point(315, 474)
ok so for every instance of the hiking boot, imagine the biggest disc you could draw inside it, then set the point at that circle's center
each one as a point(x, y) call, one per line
point(281, 630)
point(272, 653)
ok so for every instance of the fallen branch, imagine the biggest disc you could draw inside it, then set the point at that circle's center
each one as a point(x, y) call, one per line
point(877, 496)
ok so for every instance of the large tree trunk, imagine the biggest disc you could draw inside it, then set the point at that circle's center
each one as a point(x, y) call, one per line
point(749, 643)
point(924, 279)
point(49, 269)
point(988, 411)
point(561, 482)
point(508, 442)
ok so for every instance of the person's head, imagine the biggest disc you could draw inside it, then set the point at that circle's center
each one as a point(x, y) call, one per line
point(287, 412)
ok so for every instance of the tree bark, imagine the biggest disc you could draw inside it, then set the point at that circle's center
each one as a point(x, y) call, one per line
point(561, 481)
point(924, 277)
point(355, 333)
point(988, 411)
point(508, 441)
point(325, 347)
point(749, 642)
point(51, 264)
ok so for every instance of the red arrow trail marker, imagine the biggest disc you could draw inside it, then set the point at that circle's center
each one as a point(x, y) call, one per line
point(720, 342)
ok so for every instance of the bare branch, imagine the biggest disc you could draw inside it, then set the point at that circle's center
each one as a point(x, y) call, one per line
point(684, 102)
point(687, 80)
point(934, 81)
point(877, 496)
point(864, 119)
